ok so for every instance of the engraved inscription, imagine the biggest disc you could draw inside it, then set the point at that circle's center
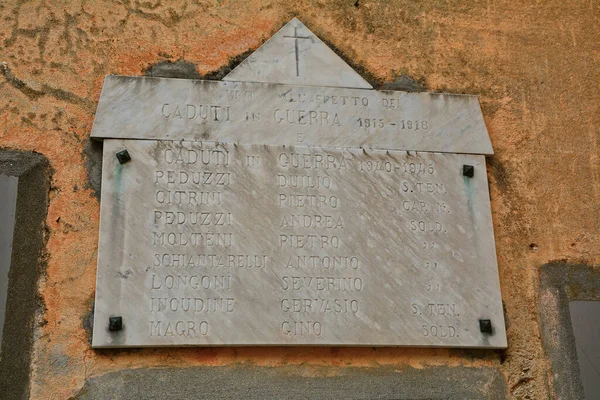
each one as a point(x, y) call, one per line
point(234, 244)
point(262, 114)
point(297, 52)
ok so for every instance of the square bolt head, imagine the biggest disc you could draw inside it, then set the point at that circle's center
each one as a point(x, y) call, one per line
point(123, 156)
point(115, 324)
point(485, 326)
point(468, 171)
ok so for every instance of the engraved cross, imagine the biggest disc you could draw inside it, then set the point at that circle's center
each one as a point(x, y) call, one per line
point(296, 37)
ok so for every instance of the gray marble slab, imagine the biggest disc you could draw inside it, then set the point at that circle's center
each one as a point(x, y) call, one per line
point(273, 114)
point(296, 56)
point(220, 244)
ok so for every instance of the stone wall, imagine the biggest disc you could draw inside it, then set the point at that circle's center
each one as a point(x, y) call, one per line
point(533, 64)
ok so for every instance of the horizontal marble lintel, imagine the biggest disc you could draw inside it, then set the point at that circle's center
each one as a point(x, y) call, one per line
point(285, 115)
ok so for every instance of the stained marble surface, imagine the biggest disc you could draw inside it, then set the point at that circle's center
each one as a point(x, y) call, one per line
point(290, 204)
point(273, 114)
point(296, 56)
point(220, 244)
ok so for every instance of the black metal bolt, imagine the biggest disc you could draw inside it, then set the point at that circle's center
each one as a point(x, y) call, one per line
point(115, 324)
point(123, 156)
point(485, 326)
point(468, 171)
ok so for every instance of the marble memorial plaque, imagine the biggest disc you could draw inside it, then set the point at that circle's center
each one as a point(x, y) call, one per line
point(291, 204)
point(215, 244)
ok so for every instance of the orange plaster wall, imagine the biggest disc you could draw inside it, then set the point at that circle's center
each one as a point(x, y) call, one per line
point(535, 66)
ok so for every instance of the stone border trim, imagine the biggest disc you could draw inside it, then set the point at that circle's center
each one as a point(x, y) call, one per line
point(23, 301)
point(561, 283)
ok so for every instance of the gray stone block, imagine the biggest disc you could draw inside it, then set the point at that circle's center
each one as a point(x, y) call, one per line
point(238, 382)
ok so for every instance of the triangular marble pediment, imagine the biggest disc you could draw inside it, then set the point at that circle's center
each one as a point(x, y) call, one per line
point(296, 56)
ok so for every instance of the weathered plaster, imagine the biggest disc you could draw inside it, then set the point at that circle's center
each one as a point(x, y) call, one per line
point(534, 66)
